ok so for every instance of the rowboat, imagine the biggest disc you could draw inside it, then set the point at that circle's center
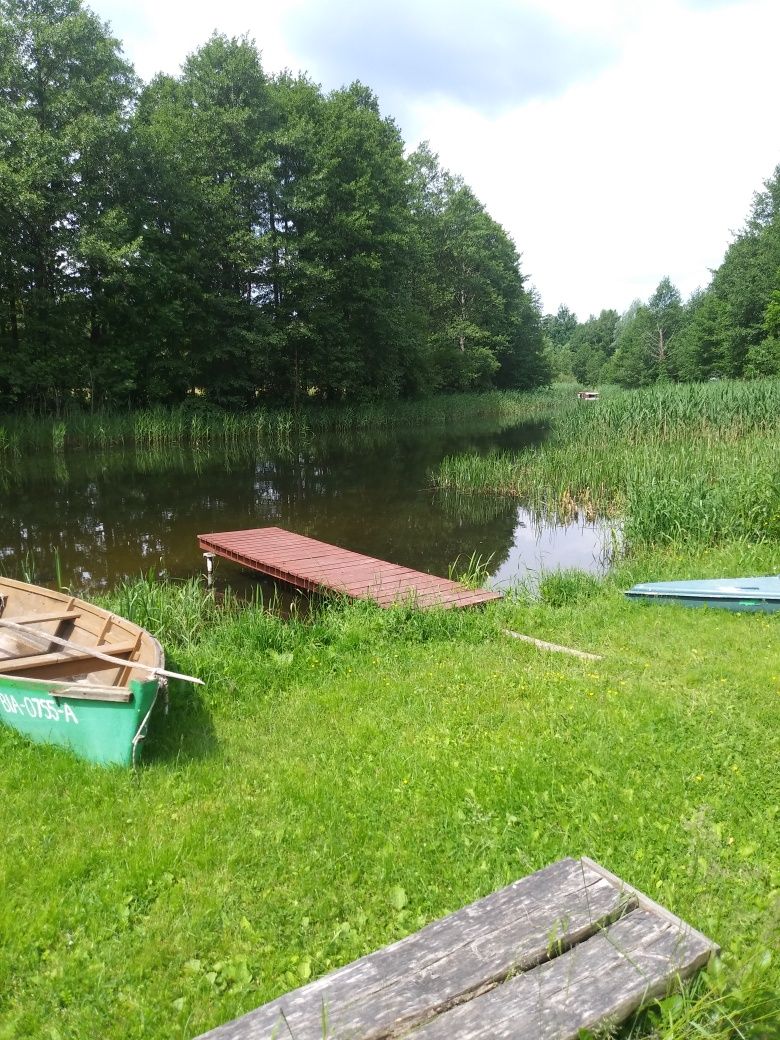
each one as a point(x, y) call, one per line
point(738, 594)
point(74, 674)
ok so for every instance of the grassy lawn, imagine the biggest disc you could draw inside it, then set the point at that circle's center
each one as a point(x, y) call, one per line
point(344, 780)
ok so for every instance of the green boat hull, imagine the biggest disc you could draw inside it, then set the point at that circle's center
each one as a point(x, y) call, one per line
point(107, 732)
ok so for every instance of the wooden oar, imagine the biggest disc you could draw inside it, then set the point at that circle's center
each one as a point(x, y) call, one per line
point(91, 651)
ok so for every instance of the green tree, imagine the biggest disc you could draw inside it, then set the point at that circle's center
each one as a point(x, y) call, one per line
point(206, 142)
point(559, 327)
point(484, 325)
point(592, 344)
point(666, 318)
point(231, 236)
point(763, 358)
point(746, 279)
point(698, 349)
point(635, 361)
point(352, 213)
point(64, 229)
point(558, 330)
point(644, 339)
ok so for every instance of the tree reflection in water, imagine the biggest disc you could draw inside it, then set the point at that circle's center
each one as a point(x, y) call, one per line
point(121, 513)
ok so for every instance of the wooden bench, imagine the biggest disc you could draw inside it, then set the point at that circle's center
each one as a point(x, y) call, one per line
point(570, 947)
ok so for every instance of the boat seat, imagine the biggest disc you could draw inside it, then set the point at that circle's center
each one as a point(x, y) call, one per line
point(32, 619)
point(24, 664)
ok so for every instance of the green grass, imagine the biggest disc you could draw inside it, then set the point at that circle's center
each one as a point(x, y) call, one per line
point(347, 777)
point(696, 464)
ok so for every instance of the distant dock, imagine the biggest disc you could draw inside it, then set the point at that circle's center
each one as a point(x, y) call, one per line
point(319, 567)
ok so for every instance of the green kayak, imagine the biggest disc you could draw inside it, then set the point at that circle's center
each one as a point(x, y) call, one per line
point(74, 674)
point(738, 594)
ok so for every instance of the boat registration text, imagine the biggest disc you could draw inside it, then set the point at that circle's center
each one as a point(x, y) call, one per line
point(37, 708)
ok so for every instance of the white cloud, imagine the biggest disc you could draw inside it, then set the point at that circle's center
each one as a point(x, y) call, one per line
point(640, 173)
point(492, 59)
point(635, 170)
point(157, 35)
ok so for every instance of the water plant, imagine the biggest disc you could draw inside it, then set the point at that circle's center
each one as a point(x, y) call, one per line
point(176, 611)
point(58, 432)
point(472, 572)
point(199, 425)
point(678, 464)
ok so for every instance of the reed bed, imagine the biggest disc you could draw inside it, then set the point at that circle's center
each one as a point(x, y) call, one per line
point(207, 427)
point(679, 464)
point(726, 409)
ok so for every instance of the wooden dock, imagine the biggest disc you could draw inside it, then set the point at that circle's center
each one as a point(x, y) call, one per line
point(320, 567)
point(567, 949)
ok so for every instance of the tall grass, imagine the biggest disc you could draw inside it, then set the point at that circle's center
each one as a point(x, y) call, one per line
point(176, 612)
point(202, 426)
point(678, 463)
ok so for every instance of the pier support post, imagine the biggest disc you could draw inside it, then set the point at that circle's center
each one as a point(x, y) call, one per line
point(208, 558)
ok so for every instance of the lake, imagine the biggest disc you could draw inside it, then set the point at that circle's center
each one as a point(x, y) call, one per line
point(102, 516)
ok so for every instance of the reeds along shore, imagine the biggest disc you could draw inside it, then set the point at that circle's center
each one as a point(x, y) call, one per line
point(195, 424)
point(677, 464)
point(726, 410)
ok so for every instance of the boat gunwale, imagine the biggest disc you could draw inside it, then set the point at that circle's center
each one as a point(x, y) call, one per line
point(60, 689)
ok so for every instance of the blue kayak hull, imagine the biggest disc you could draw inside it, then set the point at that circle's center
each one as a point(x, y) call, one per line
point(738, 594)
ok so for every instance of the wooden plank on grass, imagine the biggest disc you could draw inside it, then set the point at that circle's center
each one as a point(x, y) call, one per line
point(448, 962)
point(595, 985)
point(568, 948)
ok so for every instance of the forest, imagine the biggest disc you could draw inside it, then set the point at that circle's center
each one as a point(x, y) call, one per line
point(730, 329)
point(231, 236)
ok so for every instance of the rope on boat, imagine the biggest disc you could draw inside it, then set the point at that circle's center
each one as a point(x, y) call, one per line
point(140, 733)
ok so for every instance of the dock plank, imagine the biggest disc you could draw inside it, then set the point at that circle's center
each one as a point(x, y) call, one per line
point(317, 566)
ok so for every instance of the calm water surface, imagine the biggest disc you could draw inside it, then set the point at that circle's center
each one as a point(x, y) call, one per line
point(116, 514)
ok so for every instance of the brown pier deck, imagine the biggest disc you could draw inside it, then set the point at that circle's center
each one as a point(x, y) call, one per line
point(317, 566)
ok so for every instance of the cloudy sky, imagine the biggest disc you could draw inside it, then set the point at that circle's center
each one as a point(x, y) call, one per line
point(617, 141)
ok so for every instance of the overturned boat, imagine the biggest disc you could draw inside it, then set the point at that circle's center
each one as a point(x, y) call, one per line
point(737, 594)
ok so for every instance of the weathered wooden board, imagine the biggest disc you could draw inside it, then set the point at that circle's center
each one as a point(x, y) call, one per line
point(494, 958)
point(598, 983)
point(317, 566)
point(570, 947)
